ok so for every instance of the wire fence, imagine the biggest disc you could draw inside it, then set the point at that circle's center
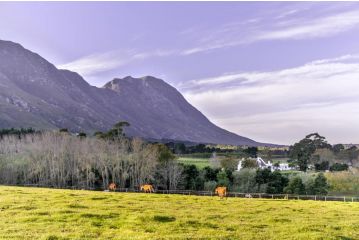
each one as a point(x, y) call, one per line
point(209, 193)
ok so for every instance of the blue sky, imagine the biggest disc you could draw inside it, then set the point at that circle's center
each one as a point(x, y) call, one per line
point(272, 71)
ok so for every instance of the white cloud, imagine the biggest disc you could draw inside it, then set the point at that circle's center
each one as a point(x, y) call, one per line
point(320, 27)
point(95, 63)
point(231, 35)
point(102, 62)
point(284, 105)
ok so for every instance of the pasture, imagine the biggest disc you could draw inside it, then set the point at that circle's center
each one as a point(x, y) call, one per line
point(36, 213)
point(199, 162)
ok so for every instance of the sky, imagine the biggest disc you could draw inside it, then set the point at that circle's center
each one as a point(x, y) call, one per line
point(270, 71)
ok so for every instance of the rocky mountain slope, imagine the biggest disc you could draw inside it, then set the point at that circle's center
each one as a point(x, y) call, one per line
point(34, 93)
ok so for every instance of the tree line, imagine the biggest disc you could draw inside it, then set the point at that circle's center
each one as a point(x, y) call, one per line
point(60, 159)
point(315, 151)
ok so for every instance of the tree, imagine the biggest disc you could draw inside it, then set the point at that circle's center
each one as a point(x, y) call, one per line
point(337, 148)
point(322, 166)
point(249, 163)
point(251, 151)
point(169, 172)
point(82, 135)
point(295, 186)
point(277, 182)
point(189, 176)
point(339, 167)
point(262, 176)
point(210, 174)
point(222, 179)
point(229, 163)
point(245, 180)
point(117, 130)
point(303, 150)
point(318, 186)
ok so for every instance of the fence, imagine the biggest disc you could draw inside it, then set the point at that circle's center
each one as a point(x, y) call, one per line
point(229, 194)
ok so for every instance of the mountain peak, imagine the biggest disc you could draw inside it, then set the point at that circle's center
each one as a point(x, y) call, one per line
point(34, 93)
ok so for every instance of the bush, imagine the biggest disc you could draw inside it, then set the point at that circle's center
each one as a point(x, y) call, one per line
point(318, 186)
point(210, 185)
point(222, 179)
point(295, 186)
point(345, 182)
point(321, 166)
point(337, 167)
point(245, 180)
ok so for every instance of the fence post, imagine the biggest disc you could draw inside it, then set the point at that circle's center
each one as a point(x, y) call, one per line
point(272, 196)
point(344, 198)
point(325, 198)
point(315, 198)
point(352, 200)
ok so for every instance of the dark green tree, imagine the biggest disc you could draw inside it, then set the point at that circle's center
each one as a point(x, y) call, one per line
point(262, 176)
point(303, 150)
point(210, 174)
point(277, 182)
point(190, 174)
point(337, 148)
point(295, 186)
point(319, 186)
point(339, 167)
point(222, 179)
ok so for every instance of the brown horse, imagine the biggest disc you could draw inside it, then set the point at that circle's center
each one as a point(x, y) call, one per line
point(147, 188)
point(112, 187)
point(221, 192)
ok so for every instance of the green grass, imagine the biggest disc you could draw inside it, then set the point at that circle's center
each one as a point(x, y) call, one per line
point(199, 162)
point(34, 213)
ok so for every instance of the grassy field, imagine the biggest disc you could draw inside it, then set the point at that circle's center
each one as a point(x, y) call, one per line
point(34, 213)
point(199, 162)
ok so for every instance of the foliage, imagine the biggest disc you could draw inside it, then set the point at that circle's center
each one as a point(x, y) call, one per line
point(346, 182)
point(275, 181)
point(339, 167)
point(319, 186)
point(303, 150)
point(115, 133)
point(229, 163)
point(210, 185)
point(245, 180)
point(190, 175)
point(16, 132)
point(295, 186)
point(251, 151)
point(60, 160)
point(249, 163)
point(223, 179)
point(322, 166)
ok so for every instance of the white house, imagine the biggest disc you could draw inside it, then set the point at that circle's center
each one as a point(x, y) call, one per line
point(262, 165)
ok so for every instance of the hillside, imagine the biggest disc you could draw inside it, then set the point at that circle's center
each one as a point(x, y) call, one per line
point(34, 213)
point(34, 93)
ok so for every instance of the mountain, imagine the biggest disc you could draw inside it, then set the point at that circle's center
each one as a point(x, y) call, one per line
point(34, 93)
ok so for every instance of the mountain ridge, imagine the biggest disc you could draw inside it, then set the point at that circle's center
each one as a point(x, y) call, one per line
point(34, 93)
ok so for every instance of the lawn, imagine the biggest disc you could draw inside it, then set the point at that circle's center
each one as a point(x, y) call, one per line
point(34, 213)
point(199, 162)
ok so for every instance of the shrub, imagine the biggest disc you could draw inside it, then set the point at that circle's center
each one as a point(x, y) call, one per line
point(295, 186)
point(339, 167)
point(245, 180)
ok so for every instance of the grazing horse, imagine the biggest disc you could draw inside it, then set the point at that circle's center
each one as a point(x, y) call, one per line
point(147, 188)
point(112, 187)
point(221, 192)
